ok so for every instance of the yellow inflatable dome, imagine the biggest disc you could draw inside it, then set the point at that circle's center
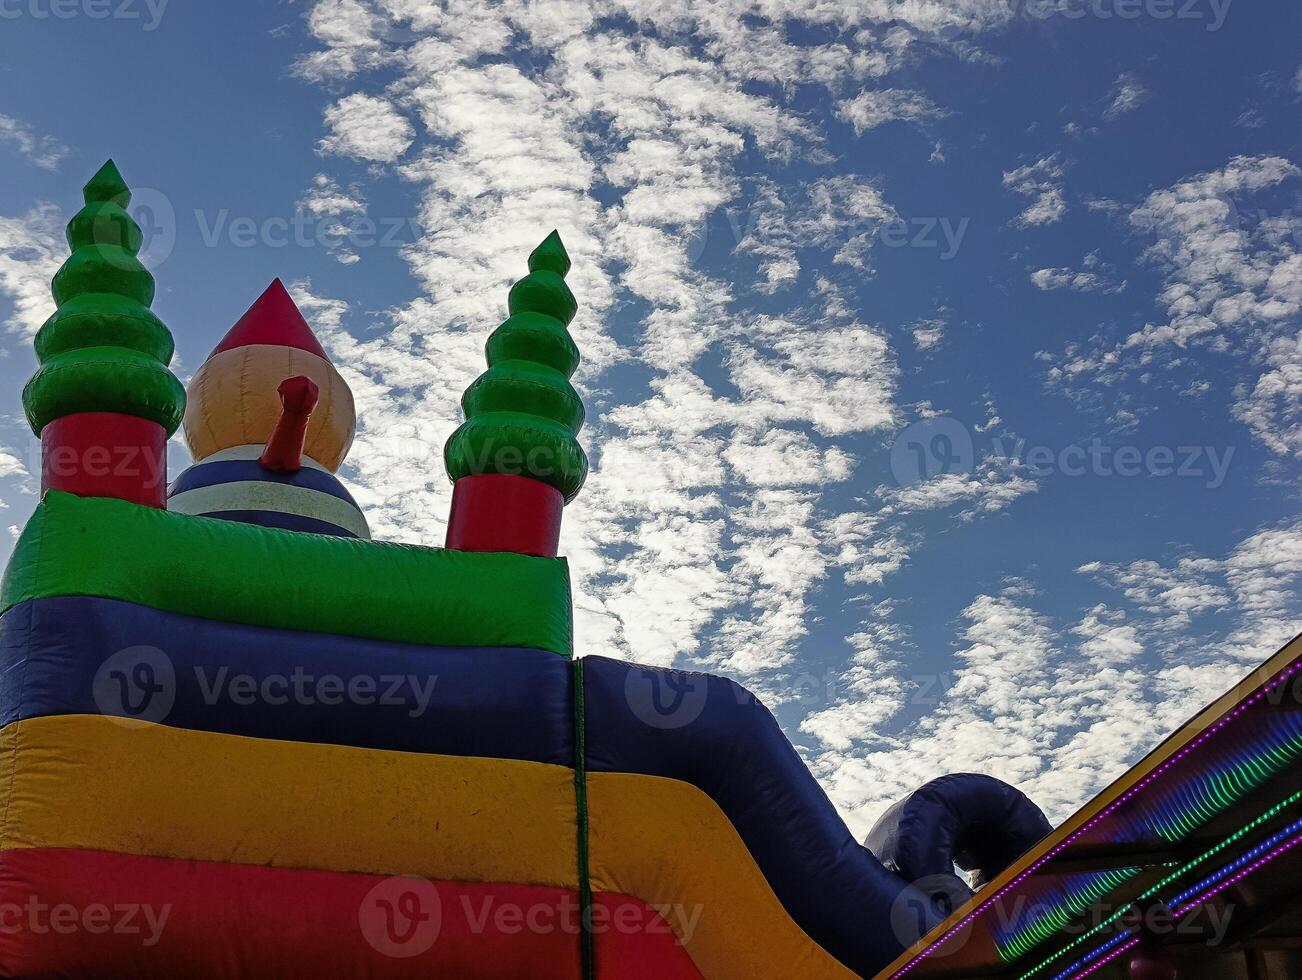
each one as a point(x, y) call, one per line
point(233, 398)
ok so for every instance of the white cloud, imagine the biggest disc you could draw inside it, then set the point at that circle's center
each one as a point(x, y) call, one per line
point(1272, 408)
point(840, 379)
point(1128, 94)
point(866, 546)
point(785, 458)
point(667, 466)
point(368, 128)
point(779, 560)
point(1252, 592)
point(1063, 279)
point(927, 334)
point(11, 465)
point(1095, 277)
point(1058, 712)
point(1233, 287)
point(1000, 711)
point(32, 248)
point(1106, 638)
point(993, 419)
point(349, 30)
point(871, 677)
point(1043, 182)
point(44, 151)
point(843, 213)
point(992, 485)
point(875, 107)
point(325, 198)
point(356, 35)
point(1223, 271)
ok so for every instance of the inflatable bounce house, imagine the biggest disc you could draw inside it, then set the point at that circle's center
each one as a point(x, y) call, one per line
point(242, 739)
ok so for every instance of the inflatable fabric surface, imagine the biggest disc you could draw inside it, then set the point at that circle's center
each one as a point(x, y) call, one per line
point(267, 577)
point(233, 401)
point(705, 751)
point(171, 919)
point(168, 737)
point(967, 819)
point(234, 485)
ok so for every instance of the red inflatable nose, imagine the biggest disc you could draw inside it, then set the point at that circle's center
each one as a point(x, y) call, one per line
point(299, 394)
point(284, 452)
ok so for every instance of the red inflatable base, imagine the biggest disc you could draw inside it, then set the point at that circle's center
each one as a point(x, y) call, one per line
point(74, 913)
point(501, 512)
point(106, 454)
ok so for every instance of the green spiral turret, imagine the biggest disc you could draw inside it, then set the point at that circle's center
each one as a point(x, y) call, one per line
point(522, 414)
point(103, 350)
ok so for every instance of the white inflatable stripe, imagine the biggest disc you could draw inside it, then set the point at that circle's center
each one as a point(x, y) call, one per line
point(252, 452)
point(277, 497)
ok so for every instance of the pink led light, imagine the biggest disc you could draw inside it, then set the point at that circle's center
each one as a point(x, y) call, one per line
point(1238, 876)
point(1125, 797)
point(1198, 902)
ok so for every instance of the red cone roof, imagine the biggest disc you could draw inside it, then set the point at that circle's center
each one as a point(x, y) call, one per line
point(273, 319)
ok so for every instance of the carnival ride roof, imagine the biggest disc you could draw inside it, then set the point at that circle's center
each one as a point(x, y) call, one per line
point(1195, 846)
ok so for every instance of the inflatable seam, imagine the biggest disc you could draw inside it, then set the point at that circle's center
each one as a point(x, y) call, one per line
point(581, 813)
point(43, 529)
point(13, 755)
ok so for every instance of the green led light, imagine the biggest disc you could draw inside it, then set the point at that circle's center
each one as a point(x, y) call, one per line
point(1210, 852)
point(1216, 791)
point(1053, 921)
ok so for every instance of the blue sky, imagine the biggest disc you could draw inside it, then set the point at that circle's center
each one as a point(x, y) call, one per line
point(943, 359)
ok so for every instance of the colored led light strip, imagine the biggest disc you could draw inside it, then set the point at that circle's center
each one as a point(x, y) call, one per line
point(1289, 831)
point(1094, 821)
point(1235, 879)
point(1207, 794)
point(1078, 893)
point(1198, 902)
point(1173, 876)
point(1209, 892)
point(1120, 937)
point(1107, 959)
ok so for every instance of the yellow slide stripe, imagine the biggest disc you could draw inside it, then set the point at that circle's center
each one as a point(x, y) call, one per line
point(104, 784)
point(667, 843)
